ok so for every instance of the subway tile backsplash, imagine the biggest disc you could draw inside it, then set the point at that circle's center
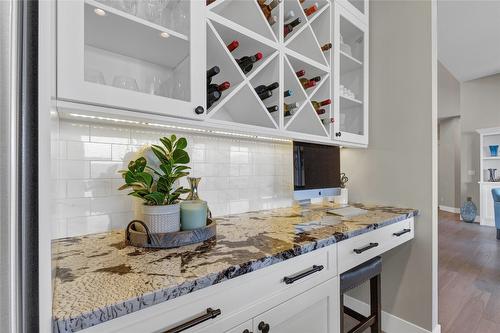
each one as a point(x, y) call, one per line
point(238, 175)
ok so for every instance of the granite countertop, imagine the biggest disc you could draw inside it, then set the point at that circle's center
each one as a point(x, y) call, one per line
point(99, 278)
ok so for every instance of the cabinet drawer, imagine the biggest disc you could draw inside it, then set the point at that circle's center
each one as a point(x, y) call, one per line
point(359, 249)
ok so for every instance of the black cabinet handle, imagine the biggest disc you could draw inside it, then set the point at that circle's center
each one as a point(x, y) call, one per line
point(298, 276)
point(263, 327)
point(338, 134)
point(366, 248)
point(404, 231)
point(211, 314)
point(199, 110)
point(246, 331)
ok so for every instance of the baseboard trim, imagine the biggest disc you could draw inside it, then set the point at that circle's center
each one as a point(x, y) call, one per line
point(390, 323)
point(449, 209)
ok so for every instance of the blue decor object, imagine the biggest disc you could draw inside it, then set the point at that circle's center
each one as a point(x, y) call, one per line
point(496, 203)
point(494, 150)
point(468, 211)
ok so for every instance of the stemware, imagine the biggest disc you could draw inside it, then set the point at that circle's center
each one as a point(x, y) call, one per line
point(125, 82)
point(153, 10)
point(155, 86)
point(94, 75)
point(129, 6)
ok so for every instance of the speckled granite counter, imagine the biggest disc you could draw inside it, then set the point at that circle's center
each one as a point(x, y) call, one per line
point(99, 278)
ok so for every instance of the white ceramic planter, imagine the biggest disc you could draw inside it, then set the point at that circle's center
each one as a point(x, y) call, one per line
point(162, 219)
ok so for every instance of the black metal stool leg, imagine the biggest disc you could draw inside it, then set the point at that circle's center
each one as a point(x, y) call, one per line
point(341, 312)
point(375, 304)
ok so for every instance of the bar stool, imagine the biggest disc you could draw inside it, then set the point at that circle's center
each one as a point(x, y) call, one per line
point(369, 270)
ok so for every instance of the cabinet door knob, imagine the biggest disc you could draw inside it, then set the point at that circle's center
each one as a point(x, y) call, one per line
point(263, 327)
point(199, 110)
point(338, 134)
point(246, 331)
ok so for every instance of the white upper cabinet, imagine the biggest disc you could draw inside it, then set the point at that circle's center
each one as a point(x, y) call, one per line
point(351, 81)
point(140, 55)
point(358, 8)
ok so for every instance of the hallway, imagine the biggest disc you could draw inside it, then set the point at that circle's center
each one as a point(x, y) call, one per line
point(469, 277)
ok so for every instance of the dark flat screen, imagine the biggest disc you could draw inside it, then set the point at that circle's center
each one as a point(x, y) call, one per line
point(315, 166)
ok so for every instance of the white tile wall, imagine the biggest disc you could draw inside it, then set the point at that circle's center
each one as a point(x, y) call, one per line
point(237, 175)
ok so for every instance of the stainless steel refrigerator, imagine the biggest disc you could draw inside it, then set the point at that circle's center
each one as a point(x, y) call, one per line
point(18, 166)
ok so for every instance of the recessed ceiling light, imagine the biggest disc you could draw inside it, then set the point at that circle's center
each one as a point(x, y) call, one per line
point(99, 12)
point(165, 34)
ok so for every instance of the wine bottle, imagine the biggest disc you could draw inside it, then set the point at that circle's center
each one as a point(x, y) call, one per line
point(218, 87)
point(289, 16)
point(233, 45)
point(326, 47)
point(267, 9)
point(211, 73)
point(309, 84)
point(291, 106)
point(246, 62)
point(311, 10)
point(320, 112)
point(289, 26)
point(272, 109)
point(212, 98)
point(263, 88)
point(272, 19)
point(316, 78)
point(300, 73)
point(288, 93)
point(265, 95)
point(317, 105)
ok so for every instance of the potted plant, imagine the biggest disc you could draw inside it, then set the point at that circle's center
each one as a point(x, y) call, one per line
point(157, 187)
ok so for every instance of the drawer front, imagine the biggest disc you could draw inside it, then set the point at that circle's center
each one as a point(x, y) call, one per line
point(359, 249)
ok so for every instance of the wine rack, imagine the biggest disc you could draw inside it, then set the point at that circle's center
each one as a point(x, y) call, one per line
point(283, 56)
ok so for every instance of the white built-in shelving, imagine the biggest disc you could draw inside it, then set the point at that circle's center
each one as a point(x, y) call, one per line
point(143, 57)
point(488, 137)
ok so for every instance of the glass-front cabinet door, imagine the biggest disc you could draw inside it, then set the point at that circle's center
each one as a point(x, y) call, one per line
point(351, 83)
point(143, 55)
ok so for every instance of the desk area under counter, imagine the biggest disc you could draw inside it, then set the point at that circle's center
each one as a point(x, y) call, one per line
point(103, 285)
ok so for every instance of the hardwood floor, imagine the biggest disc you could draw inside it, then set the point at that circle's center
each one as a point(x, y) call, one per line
point(469, 277)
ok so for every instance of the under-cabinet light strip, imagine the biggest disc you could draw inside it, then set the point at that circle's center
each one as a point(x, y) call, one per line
point(181, 128)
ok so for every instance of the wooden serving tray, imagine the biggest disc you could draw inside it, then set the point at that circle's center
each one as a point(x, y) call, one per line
point(137, 234)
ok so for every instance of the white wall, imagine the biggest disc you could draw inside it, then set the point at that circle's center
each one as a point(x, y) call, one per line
point(449, 162)
point(479, 108)
point(448, 93)
point(237, 175)
point(398, 167)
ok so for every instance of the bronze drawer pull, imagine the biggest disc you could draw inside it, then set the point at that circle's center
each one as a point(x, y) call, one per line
point(211, 314)
point(366, 248)
point(404, 231)
point(292, 279)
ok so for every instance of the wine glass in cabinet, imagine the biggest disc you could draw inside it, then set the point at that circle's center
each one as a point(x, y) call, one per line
point(145, 56)
point(351, 83)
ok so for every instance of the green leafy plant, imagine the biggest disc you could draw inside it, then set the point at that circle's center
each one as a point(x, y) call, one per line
point(156, 187)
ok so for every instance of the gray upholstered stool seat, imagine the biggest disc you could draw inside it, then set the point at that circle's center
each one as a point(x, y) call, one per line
point(369, 270)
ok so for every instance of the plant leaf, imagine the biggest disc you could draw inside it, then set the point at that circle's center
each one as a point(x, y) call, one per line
point(181, 168)
point(181, 143)
point(166, 168)
point(173, 138)
point(167, 143)
point(180, 156)
point(129, 177)
point(145, 178)
point(155, 197)
point(160, 153)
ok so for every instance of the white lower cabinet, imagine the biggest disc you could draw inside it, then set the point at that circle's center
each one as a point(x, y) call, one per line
point(314, 311)
point(243, 328)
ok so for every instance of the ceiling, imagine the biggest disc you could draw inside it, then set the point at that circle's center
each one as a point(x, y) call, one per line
point(469, 37)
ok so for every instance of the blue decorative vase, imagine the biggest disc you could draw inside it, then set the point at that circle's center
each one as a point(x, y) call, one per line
point(468, 211)
point(494, 150)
